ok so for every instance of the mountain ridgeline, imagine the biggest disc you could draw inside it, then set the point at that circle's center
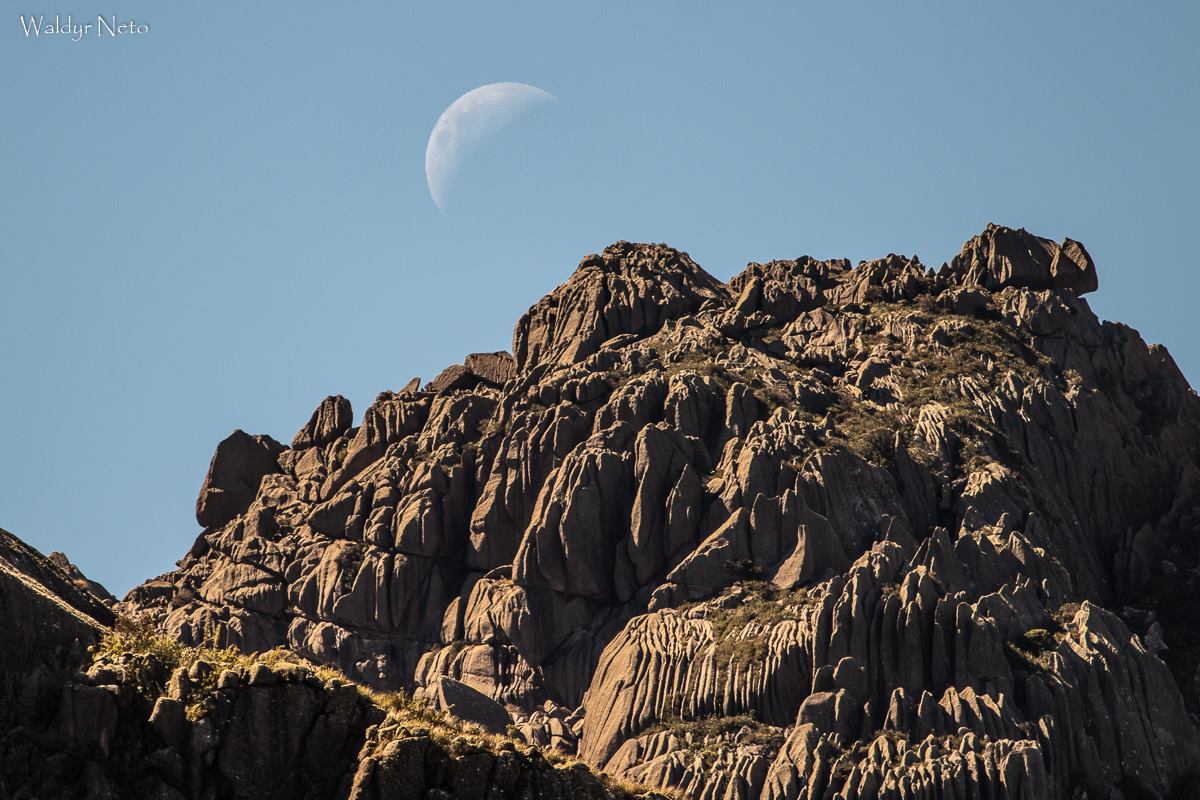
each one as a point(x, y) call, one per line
point(824, 531)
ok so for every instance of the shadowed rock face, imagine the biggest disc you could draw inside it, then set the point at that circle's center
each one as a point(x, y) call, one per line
point(48, 619)
point(825, 530)
point(141, 724)
point(47, 611)
point(238, 467)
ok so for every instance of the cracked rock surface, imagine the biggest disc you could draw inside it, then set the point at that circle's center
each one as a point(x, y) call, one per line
point(823, 531)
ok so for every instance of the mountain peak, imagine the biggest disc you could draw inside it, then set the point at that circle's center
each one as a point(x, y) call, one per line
point(818, 531)
point(627, 289)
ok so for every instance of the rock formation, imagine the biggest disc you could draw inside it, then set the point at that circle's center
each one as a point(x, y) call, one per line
point(139, 716)
point(823, 531)
point(81, 582)
point(48, 617)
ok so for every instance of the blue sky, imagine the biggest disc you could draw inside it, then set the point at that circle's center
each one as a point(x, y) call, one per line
point(219, 222)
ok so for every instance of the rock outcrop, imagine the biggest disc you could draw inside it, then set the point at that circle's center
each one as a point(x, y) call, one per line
point(237, 470)
point(149, 719)
point(79, 580)
point(627, 289)
point(1003, 257)
point(48, 618)
point(823, 531)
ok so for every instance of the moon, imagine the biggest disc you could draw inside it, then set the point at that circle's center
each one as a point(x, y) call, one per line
point(470, 120)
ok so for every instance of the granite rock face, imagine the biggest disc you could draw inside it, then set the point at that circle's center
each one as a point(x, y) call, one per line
point(49, 615)
point(1003, 257)
point(237, 469)
point(825, 530)
point(145, 723)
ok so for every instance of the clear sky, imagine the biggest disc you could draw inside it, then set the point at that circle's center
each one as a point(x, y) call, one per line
point(217, 223)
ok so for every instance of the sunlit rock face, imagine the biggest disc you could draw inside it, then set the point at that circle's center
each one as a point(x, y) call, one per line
point(825, 530)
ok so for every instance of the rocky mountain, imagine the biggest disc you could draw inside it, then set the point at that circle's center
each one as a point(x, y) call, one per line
point(104, 708)
point(823, 531)
point(47, 620)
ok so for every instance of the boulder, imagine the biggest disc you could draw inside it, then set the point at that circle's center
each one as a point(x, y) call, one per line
point(469, 705)
point(234, 474)
point(494, 368)
point(453, 378)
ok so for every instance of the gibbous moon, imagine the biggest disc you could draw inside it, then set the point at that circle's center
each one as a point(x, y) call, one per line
point(470, 120)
